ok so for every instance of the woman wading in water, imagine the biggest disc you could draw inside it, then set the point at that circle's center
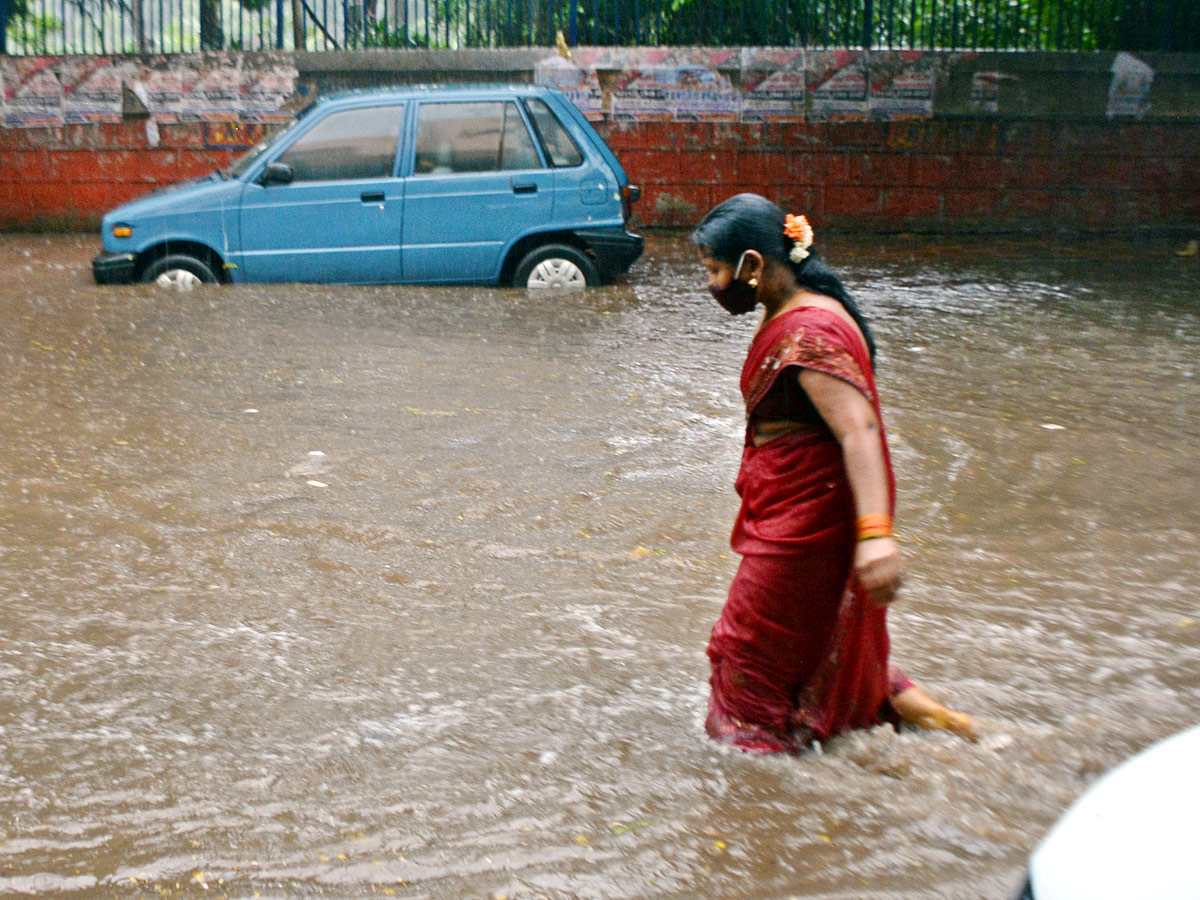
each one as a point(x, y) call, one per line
point(800, 651)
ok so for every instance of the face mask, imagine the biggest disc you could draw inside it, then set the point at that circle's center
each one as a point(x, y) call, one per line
point(738, 297)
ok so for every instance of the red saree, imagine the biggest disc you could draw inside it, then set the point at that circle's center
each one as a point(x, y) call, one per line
point(800, 652)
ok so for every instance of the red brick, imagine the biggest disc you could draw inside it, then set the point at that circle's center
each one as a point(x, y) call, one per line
point(657, 136)
point(846, 200)
point(801, 200)
point(91, 198)
point(887, 170)
point(1104, 171)
point(23, 165)
point(930, 170)
point(1027, 203)
point(1092, 208)
point(707, 167)
point(736, 136)
point(690, 135)
point(815, 168)
point(975, 204)
point(651, 166)
point(128, 135)
point(181, 134)
point(39, 198)
point(794, 135)
point(1015, 138)
point(1041, 171)
point(36, 138)
point(910, 204)
point(857, 134)
point(73, 166)
point(761, 166)
point(983, 138)
point(621, 136)
point(1163, 173)
point(675, 204)
point(920, 136)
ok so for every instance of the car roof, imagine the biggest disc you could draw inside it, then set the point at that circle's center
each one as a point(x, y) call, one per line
point(414, 91)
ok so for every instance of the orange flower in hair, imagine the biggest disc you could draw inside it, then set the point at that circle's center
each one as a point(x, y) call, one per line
point(801, 233)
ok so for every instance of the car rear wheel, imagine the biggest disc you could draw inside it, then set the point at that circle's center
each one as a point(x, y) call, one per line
point(556, 266)
point(179, 271)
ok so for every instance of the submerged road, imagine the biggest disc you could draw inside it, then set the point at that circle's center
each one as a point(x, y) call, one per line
point(348, 592)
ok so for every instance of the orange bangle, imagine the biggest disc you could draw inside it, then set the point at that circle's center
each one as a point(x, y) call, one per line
point(873, 526)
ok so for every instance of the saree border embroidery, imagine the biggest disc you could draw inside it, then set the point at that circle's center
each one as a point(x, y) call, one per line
point(811, 352)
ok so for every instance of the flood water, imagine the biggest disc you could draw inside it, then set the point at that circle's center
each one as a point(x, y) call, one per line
point(357, 592)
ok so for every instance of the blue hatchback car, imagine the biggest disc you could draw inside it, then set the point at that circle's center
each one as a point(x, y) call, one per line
point(506, 185)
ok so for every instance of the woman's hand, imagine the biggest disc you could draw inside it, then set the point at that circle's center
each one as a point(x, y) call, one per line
point(878, 568)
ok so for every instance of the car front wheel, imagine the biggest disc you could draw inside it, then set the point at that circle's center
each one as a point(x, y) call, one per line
point(179, 271)
point(556, 266)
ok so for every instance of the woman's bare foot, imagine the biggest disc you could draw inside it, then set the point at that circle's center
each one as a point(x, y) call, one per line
point(918, 708)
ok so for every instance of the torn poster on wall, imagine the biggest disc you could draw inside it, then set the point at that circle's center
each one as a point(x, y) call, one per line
point(53, 91)
point(1129, 91)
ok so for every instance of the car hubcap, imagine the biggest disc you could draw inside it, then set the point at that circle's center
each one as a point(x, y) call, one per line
point(179, 279)
point(556, 273)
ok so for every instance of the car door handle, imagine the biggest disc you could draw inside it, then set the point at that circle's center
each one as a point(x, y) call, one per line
point(524, 187)
point(372, 197)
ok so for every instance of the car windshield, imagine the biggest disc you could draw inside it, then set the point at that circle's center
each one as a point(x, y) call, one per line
point(244, 162)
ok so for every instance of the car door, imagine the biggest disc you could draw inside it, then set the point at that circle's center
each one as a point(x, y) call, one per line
point(579, 185)
point(477, 184)
point(339, 218)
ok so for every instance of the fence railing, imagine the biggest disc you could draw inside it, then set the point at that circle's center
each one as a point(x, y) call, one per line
point(52, 27)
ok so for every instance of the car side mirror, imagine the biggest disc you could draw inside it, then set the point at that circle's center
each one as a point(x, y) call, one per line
point(276, 173)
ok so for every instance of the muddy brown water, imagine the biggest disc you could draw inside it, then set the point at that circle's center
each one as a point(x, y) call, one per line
point(357, 592)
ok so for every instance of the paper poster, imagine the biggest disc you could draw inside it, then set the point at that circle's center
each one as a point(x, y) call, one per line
point(34, 98)
point(908, 95)
point(94, 95)
point(580, 85)
point(215, 96)
point(677, 92)
point(841, 94)
point(1129, 92)
point(265, 91)
point(780, 97)
point(985, 92)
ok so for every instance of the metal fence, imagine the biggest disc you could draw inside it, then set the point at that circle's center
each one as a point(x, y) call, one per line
point(51, 27)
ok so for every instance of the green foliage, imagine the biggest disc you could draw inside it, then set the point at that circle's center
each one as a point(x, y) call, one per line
point(1081, 25)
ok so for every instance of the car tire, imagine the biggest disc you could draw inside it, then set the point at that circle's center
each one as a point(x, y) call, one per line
point(179, 271)
point(555, 266)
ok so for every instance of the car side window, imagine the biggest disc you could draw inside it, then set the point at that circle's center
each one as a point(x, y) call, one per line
point(472, 137)
point(347, 145)
point(561, 149)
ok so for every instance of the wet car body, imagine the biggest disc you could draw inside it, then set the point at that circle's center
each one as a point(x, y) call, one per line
point(1130, 835)
point(493, 185)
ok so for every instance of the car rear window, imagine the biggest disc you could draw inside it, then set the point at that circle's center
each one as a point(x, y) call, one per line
point(472, 137)
point(347, 145)
point(560, 149)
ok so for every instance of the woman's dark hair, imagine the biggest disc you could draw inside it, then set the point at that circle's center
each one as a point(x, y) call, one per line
point(750, 222)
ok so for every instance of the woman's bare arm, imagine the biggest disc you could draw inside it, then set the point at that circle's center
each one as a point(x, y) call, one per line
point(852, 420)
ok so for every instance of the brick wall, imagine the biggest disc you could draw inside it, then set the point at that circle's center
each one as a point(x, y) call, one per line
point(881, 141)
point(935, 175)
point(68, 176)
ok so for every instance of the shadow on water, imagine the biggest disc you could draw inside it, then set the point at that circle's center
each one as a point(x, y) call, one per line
point(343, 592)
